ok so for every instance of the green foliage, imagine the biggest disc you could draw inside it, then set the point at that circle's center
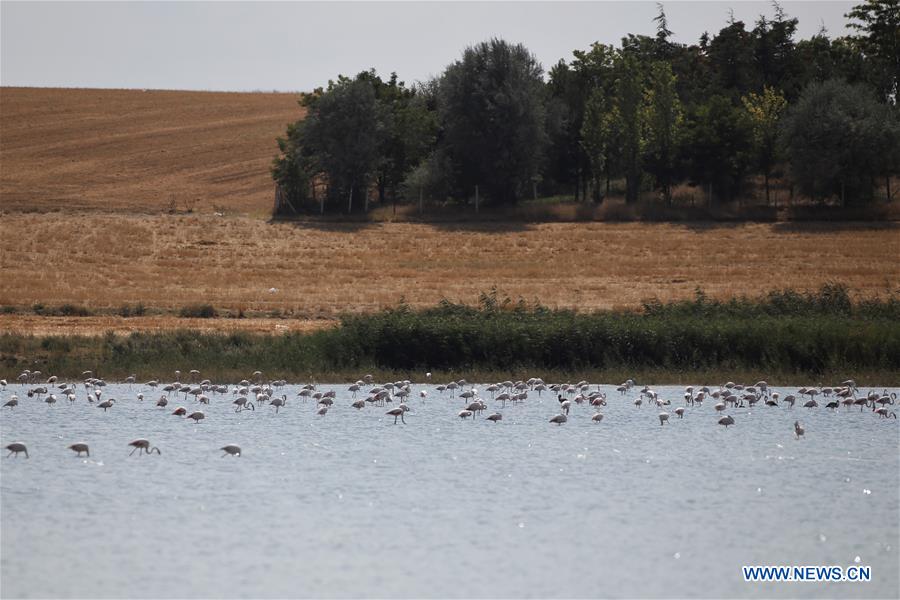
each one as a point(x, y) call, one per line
point(765, 112)
point(838, 139)
point(345, 131)
point(782, 332)
point(719, 146)
point(492, 109)
point(879, 23)
point(664, 118)
point(198, 311)
point(138, 310)
point(630, 115)
point(63, 310)
point(651, 108)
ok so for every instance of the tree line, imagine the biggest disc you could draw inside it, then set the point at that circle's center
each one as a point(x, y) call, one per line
point(748, 102)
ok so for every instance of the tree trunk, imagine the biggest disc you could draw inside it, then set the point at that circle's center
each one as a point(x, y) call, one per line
point(350, 201)
point(631, 188)
point(382, 185)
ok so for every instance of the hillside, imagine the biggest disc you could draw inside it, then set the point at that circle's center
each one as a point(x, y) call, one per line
point(136, 151)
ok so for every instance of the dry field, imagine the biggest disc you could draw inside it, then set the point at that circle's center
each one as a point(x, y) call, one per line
point(128, 150)
point(87, 176)
point(317, 271)
point(30, 324)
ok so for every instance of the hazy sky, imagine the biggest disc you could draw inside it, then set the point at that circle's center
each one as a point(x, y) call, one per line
point(300, 45)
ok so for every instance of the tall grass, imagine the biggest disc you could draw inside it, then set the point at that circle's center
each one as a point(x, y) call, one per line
point(787, 333)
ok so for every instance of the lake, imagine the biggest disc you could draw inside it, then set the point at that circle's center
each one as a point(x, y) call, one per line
point(351, 505)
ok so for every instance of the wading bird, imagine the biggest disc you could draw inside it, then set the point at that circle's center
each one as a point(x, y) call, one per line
point(79, 448)
point(143, 446)
point(398, 412)
point(231, 449)
point(15, 448)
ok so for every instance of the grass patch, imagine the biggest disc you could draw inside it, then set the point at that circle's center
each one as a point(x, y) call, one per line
point(63, 310)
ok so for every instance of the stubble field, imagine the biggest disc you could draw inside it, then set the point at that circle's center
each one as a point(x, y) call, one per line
point(137, 151)
point(318, 271)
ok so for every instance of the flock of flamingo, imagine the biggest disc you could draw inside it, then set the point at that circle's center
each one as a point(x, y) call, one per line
point(254, 393)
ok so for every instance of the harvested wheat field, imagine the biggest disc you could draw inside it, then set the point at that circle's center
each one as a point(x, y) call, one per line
point(315, 271)
point(29, 324)
point(137, 151)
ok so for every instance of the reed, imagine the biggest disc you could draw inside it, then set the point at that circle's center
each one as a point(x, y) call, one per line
point(802, 337)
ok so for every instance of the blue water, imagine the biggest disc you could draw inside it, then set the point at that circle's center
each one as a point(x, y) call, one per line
point(350, 505)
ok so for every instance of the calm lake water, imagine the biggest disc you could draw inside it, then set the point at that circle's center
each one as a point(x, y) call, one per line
point(349, 505)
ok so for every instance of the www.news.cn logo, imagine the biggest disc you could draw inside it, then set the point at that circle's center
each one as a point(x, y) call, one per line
point(807, 573)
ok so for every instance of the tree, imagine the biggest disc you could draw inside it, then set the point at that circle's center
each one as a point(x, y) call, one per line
point(719, 144)
point(410, 130)
point(601, 139)
point(765, 112)
point(345, 130)
point(663, 33)
point(838, 139)
point(774, 51)
point(629, 111)
point(731, 58)
point(293, 169)
point(492, 109)
point(879, 20)
point(664, 120)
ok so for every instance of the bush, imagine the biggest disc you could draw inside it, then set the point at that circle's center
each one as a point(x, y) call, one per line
point(198, 311)
point(138, 310)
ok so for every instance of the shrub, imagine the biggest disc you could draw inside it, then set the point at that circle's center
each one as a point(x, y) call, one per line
point(198, 311)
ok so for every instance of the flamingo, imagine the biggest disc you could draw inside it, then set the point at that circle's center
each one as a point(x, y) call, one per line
point(106, 404)
point(398, 412)
point(79, 448)
point(324, 410)
point(726, 421)
point(358, 404)
point(495, 417)
point(180, 411)
point(463, 414)
point(884, 413)
point(663, 418)
point(680, 412)
point(278, 402)
point(232, 449)
point(597, 417)
point(12, 402)
point(559, 419)
point(15, 448)
point(798, 430)
point(197, 416)
point(142, 445)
